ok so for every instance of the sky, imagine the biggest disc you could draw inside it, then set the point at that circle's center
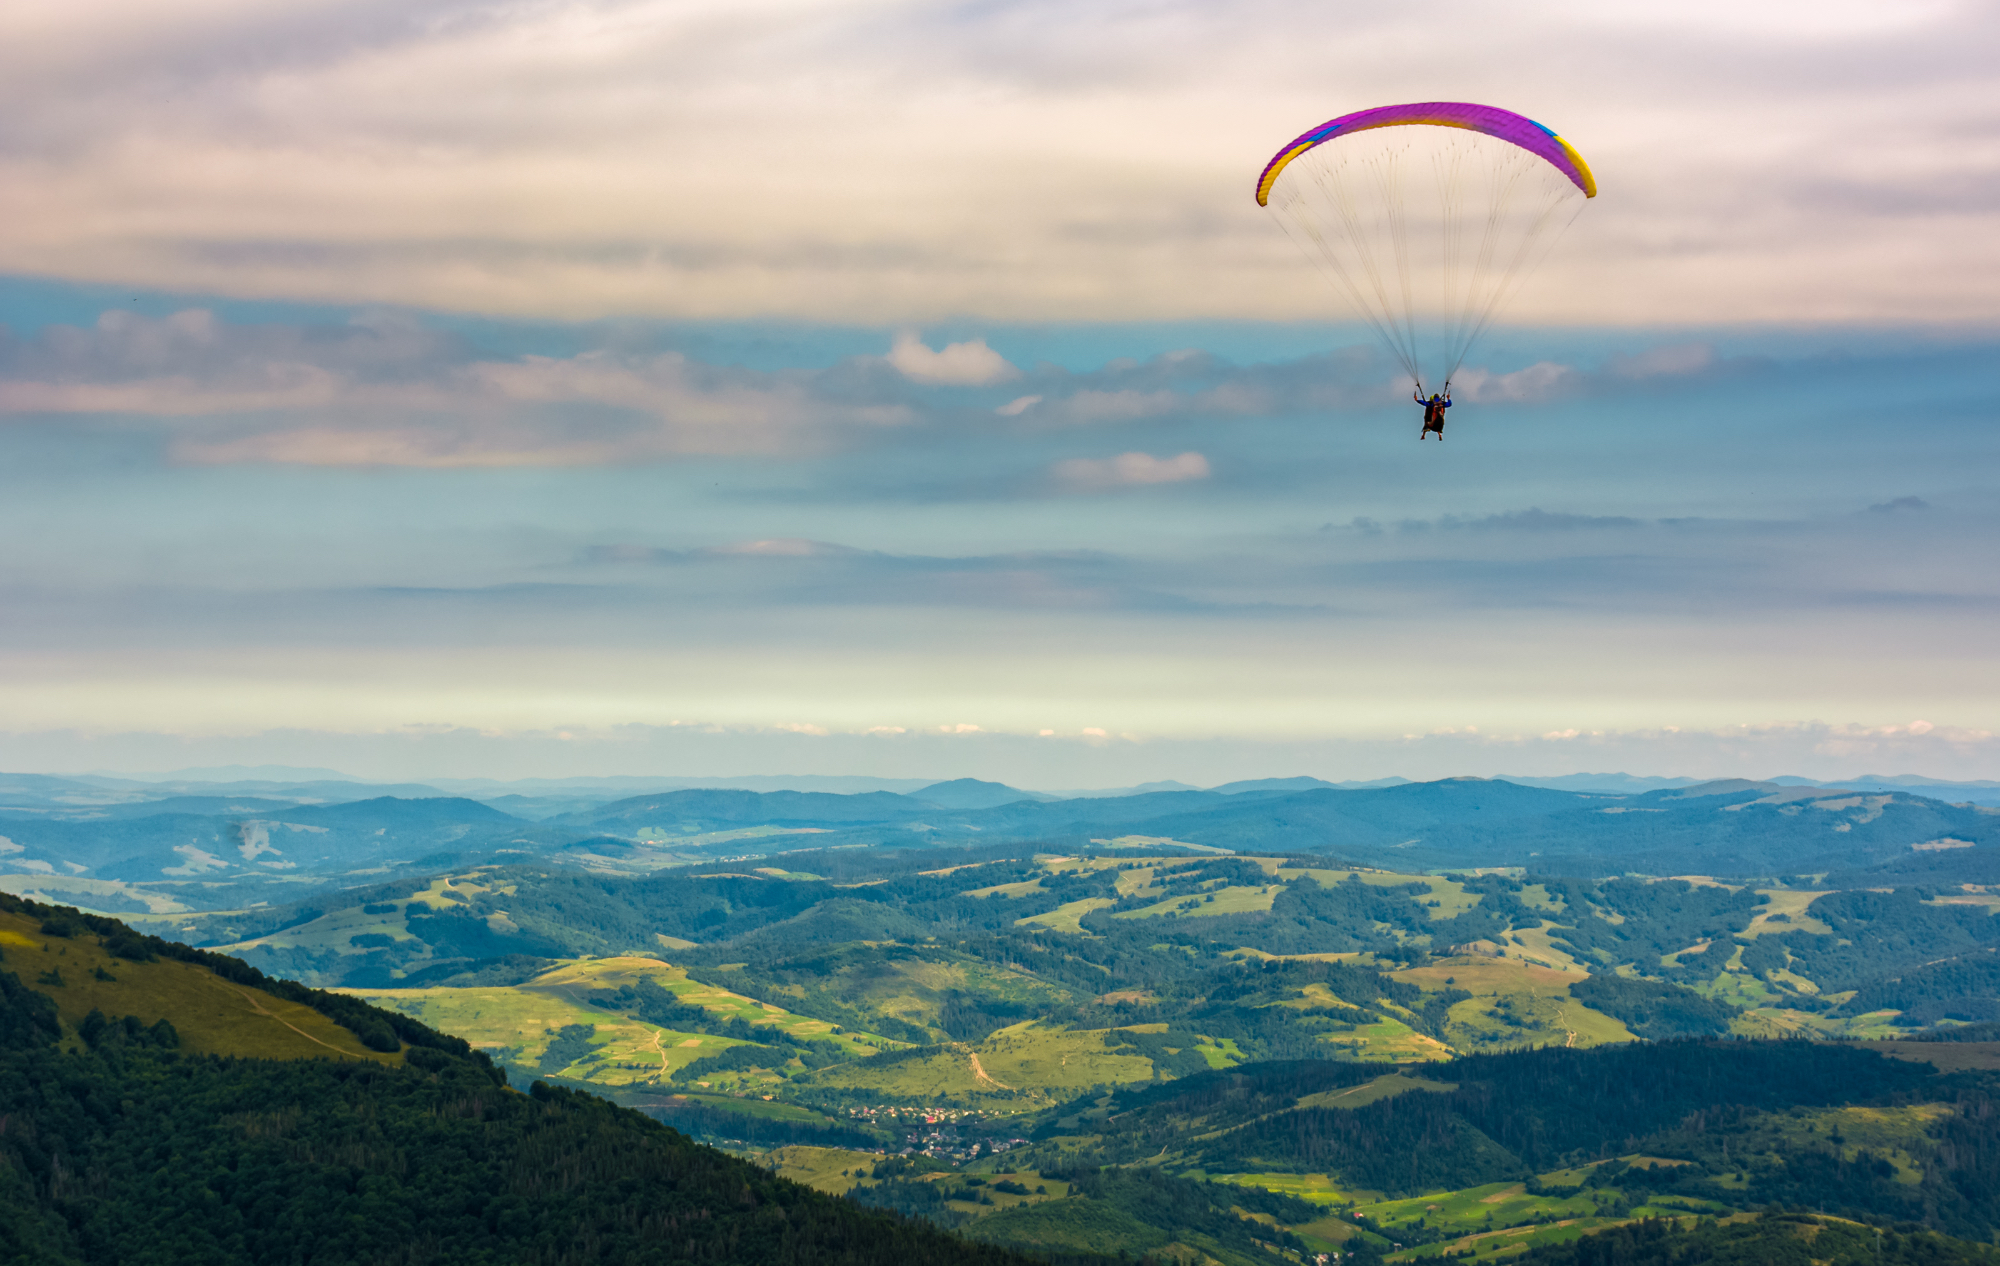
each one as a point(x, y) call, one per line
point(861, 387)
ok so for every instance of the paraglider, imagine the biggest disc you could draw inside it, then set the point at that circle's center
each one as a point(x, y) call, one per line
point(1425, 217)
point(1434, 411)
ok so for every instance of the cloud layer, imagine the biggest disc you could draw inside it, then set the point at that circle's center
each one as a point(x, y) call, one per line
point(1224, 540)
point(903, 162)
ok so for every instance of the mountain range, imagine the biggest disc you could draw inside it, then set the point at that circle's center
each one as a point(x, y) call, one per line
point(183, 847)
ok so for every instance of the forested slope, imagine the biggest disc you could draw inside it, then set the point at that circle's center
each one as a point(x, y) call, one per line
point(120, 1143)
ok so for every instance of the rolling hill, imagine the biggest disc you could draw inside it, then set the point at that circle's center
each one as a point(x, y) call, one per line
point(1140, 1084)
point(193, 850)
point(213, 1115)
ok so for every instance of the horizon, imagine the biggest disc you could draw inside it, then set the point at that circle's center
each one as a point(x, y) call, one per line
point(280, 774)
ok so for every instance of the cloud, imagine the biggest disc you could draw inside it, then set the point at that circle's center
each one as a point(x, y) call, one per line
point(1536, 384)
point(1534, 519)
point(385, 391)
point(859, 161)
point(792, 572)
point(1900, 504)
point(967, 364)
point(1130, 469)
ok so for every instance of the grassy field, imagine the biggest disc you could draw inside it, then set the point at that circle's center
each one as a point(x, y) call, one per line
point(1017, 1069)
point(1503, 1220)
point(517, 1025)
point(833, 1170)
point(1515, 1241)
point(518, 1022)
point(914, 987)
point(1010, 891)
point(1791, 904)
point(1064, 917)
point(1493, 1220)
point(1389, 1040)
point(1387, 1086)
point(1315, 1188)
point(838, 1171)
point(575, 978)
point(1514, 1003)
point(1476, 1209)
point(1451, 897)
point(212, 1015)
point(1537, 947)
point(336, 929)
point(1231, 900)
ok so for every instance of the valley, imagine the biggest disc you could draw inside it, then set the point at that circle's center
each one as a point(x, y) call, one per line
point(1135, 1042)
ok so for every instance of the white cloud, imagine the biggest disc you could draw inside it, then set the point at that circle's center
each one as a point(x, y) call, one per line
point(967, 364)
point(1016, 407)
point(384, 392)
point(1130, 469)
point(1535, 384)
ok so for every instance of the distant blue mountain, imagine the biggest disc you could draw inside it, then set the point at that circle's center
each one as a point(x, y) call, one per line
point(204, 848)
point(1981, 792)
point(1621, 783)
point(1270, 784)
point(1303, 784)
point(971, 793)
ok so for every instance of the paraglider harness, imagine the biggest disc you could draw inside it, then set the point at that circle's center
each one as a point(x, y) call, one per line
point(1434, 410)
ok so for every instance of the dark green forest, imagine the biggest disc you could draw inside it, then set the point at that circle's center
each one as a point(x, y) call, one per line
point(1776, 1239)
point(1508, 1117)
point(133, 1154)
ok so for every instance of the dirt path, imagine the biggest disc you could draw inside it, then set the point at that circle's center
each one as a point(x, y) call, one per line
point(658, 1046)
point(258, 1007)
point(1562, 1020)
point(980, 1073)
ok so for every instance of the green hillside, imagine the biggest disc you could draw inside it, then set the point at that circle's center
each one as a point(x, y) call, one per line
point(163, 1105)
point(1485, 1156)
point(894, 945)
point(1003, 984)
point(1471, 1104)
point(79, 972)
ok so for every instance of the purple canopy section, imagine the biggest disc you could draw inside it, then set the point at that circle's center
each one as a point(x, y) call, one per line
point(1505, 125)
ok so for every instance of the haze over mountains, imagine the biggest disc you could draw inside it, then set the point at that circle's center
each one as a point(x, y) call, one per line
point(124, 846)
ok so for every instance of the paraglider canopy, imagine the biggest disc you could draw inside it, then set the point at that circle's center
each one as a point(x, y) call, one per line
point(1505, 125)
point(1426, 217)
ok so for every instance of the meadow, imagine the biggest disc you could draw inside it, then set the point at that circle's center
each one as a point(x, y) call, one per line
point(212, 1016)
